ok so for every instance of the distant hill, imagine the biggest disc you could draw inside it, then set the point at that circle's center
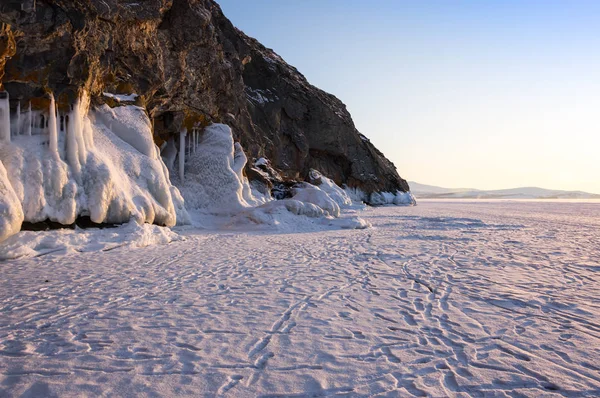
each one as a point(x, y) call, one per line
point(423, 191)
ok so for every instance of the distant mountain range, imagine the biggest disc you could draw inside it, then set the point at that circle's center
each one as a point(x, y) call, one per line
point(423, 191)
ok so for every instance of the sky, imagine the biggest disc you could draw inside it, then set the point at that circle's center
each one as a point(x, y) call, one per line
point(460, 94)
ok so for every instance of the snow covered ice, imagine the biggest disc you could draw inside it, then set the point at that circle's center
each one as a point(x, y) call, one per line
point(444, 299)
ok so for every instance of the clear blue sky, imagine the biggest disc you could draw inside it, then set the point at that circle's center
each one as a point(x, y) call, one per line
point(483, 94)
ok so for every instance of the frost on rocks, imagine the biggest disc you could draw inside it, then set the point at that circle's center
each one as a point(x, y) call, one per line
point(261, 162)
point(215, 186)
point(4, 117)
point(404, 198)
point(102, 164)
point(382, 198)
point(292, 216)
point(331, 188)
point(214, 182)
point(309, 193)
point(131, 124)
point(121, 97)
point(389, 198)
point(357, 195)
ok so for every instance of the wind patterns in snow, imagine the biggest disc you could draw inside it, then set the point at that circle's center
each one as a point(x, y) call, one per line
point(442, 300)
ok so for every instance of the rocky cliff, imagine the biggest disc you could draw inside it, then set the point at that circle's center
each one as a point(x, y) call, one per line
point(189, 66)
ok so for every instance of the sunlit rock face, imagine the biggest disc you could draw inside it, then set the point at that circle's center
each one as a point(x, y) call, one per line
point(189, 66)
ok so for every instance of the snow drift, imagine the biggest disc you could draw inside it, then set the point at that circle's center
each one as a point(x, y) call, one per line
point(102, 164)
point(63, 241)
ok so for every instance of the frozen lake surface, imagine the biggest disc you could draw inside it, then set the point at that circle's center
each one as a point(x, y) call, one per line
point(442, 299)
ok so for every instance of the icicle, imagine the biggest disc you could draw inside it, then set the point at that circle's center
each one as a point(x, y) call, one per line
point(18, 129)
point(86, 128)
point(194, 135)
point(72, 147)
point(52, 128)
point(182, 135)
point(78, 118)
point(4, 117)
point(29, 120)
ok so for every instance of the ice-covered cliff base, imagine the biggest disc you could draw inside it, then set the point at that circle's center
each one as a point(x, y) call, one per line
point(101, 163)
point(219, 195)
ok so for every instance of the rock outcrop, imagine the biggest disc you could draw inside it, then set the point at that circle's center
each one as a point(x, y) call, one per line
point(189, 66)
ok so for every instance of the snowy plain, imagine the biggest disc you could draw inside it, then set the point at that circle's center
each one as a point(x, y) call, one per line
point(444, 299)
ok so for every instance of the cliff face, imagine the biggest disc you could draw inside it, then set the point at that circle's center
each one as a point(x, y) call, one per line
point(189, 65)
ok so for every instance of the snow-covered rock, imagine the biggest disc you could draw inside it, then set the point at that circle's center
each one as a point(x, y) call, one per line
point(293, 216)
point(309, 193)
point(331, 188)
point(103, 164)
point(214, 180)
point(404, 198)
point(388, 198)
point(261, 162)
point(357, 195)
point(131, 124)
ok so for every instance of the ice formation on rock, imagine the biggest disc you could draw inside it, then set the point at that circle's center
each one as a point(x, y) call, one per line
point(182, 136)
point(389, 198)
point(28, 121)
point(52, 127)
point(103, 163)
point(381, 198)
point(214, 179)
point(331, 188)
point(215, 184)
point(4, 117)
point(309, 193)
point(11, 214)
point(107, 167)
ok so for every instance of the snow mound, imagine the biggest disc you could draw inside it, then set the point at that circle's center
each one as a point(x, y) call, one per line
point(102, 164)
point(389, 198)
point(293, 216)
point(62, 241)
point(399, 198)
point(327, 185)
point(357, 195)
point(305, 192)
point(131, 124)
point(405, 198)
point(214, 180)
